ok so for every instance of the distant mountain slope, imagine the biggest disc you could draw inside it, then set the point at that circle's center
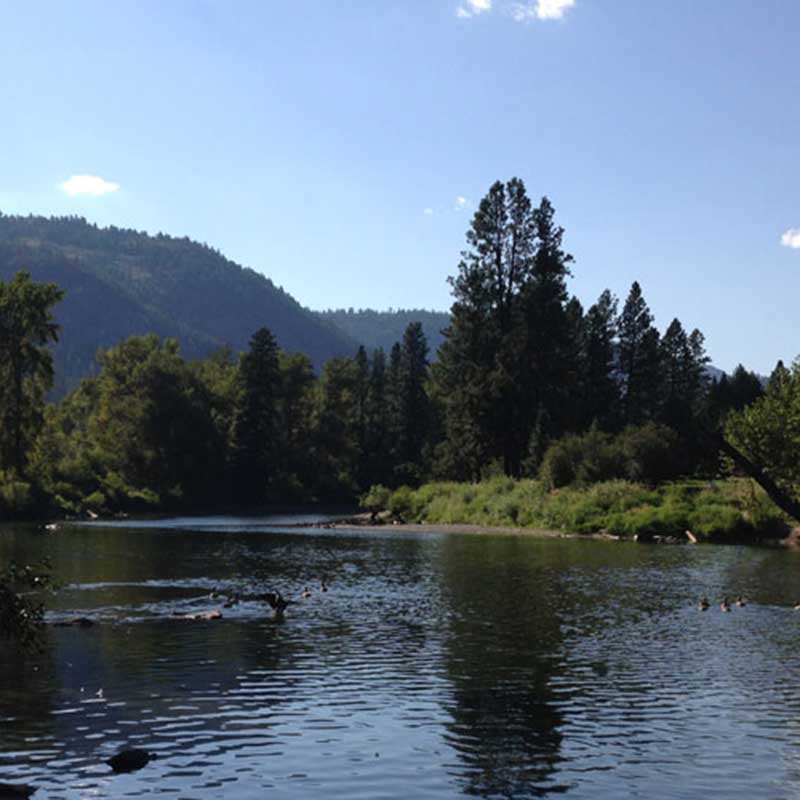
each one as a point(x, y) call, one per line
point(376, 329)
point(123, 282)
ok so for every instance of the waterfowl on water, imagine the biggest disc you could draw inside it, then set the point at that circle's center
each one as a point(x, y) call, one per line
point(725, 605)
point(306, 593)
point(276, 602)
point(703, 604)
point(741, 602)
point(130, 760)
point(797, 606)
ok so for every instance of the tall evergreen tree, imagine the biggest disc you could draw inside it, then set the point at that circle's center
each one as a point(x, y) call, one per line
point(377, 461)
point(639, 359)
point(550, 353)
point(601, 388)
point(256, 432)
point(295, 413)
point(504, 353)
point(27, 327)
point(414, 406)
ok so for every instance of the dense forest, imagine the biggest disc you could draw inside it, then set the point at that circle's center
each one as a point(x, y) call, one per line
point(120, 282)
point(527, 384)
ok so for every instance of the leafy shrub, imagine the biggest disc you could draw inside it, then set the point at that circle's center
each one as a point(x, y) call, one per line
point(376, 499)
point(402, 504)
point(651, 453)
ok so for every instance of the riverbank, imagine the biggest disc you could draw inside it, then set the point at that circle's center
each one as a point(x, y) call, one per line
point(365, 522)
point(734, 510)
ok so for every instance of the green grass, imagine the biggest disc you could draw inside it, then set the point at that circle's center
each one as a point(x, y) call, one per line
point(732, 510)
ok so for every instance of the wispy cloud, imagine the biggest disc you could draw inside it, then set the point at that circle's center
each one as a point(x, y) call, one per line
point(428, 212)
point(88, 184)
point(552, 9)
point(791, 238)
point(461, 203)
point(540, 10)
point(473, 7)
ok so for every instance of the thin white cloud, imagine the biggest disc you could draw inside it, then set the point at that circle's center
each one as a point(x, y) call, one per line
point(461, 203)
point(473, 7)
point(540, 9)
point(552, 9)
point(428, 212)
point(791, 238)
point(88, 184)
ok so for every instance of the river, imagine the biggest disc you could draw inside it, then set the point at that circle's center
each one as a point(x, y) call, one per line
point(435, 665)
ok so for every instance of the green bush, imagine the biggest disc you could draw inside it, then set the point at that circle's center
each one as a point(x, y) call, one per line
point(401, 503)
point(376, 499)
point(651, 453)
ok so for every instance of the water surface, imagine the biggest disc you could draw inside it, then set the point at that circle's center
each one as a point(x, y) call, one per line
point(439, 665)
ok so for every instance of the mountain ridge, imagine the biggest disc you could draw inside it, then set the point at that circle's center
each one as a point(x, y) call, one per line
point(120, 282)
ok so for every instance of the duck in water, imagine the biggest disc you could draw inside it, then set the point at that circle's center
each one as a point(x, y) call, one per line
point(725, 605)
point(703, 604)
point(276, 602)
point(741, 602)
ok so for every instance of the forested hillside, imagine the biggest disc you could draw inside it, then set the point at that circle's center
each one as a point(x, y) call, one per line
point(121, 282)
point(376, 329)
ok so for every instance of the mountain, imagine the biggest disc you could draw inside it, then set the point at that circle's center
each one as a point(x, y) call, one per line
point(122, 282)
point(376, 329)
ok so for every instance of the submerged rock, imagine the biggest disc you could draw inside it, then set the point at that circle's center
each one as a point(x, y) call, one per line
point(130, 760)
point(75, 622)
point(14, 791)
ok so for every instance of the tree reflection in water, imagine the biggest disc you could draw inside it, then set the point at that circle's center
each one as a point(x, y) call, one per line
point(503, 645)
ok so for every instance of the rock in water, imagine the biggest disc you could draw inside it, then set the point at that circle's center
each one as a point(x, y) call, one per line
point(14, 791)
point(130, 760)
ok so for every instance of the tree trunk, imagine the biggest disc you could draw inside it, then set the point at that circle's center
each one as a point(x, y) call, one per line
point(781, 499)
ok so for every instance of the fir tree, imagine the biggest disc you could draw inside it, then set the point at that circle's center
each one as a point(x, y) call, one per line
point(256, 433)
point(639, 359)
point(601, 388)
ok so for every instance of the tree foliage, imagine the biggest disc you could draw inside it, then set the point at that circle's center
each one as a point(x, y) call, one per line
point(27, 327)
point(767, 431)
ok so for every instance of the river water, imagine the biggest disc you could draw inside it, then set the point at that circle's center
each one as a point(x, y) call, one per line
point(434, 666)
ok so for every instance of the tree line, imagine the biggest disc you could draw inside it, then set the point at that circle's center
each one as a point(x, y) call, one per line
point(522, 366)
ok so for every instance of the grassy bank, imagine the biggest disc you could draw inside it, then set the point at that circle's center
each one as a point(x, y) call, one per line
point(731, 510)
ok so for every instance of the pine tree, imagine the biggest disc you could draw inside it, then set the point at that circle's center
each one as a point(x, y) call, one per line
point(377, 455)
point(27, 327)
point(414, 405)
point(639, 359)
point(506, 352)
point(256, 429)
point(601, 388)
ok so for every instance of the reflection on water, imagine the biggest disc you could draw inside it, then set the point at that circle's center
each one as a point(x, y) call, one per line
point(436, 665)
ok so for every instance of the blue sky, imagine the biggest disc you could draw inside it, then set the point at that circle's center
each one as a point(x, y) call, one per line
point(338, 146)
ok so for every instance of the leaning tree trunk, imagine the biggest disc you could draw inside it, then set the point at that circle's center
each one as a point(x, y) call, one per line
point(782, 499)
